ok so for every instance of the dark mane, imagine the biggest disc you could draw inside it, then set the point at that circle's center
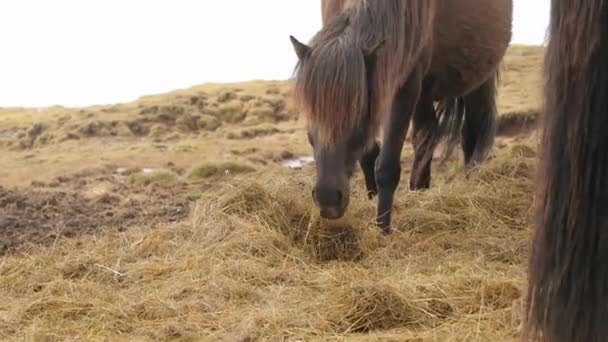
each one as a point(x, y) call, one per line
point(330, 85)
point(568, 277)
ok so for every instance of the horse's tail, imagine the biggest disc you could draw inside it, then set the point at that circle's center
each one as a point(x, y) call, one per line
point(567, 297)
point(470, 120)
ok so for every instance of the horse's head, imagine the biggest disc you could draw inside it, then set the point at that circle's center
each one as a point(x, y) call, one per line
point(333, 87)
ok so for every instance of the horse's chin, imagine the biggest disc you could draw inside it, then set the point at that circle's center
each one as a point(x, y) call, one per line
point(334, 213)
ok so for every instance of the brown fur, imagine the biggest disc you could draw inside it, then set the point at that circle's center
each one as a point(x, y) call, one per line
point(331, 8)
point(329, 93)
point(568, 276)
point(377, 64)
point(331, 85)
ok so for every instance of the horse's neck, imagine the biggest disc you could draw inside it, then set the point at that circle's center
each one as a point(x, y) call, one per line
point(407, 28)
point(332, 8)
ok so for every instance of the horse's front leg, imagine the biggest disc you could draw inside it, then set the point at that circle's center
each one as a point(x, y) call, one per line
point(368, 163)
point(388, 165)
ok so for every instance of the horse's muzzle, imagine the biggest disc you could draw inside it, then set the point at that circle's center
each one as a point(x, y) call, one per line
point(332, 213)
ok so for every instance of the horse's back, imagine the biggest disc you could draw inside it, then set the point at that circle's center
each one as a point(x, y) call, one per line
point(471, 38)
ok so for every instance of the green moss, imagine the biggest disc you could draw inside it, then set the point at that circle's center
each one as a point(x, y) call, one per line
point(163, 178)
point(208, 170)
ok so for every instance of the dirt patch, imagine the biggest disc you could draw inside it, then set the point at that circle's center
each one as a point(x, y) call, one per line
point(86, 203)
point(517, 123)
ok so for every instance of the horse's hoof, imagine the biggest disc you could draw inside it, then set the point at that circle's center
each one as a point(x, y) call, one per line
point(387, 231)
point(419, 187)
point(385, 228)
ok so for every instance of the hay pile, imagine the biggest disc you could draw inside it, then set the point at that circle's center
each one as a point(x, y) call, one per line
point(256, 264)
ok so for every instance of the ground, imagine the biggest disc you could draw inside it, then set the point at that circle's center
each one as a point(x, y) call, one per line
point(157, 220)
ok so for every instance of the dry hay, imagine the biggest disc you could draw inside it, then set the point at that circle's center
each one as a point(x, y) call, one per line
point(256, 264)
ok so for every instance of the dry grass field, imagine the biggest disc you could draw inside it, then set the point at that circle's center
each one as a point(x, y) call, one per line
point(175, 218)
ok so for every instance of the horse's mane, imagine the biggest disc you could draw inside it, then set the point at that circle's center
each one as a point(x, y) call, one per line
point(331, 82)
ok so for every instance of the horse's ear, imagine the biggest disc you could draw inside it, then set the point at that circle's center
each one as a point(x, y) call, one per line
point(302, 50)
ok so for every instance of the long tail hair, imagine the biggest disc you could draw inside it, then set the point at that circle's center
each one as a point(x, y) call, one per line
point(568, 276)
point(475, 115)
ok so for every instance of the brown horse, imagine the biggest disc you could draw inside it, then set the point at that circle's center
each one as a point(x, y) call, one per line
point(568, 280)
point(377, 64)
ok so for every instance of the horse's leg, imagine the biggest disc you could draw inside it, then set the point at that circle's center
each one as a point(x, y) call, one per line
point(424, 143)
point(368, 162)
point(388, 165)
point(479, 127)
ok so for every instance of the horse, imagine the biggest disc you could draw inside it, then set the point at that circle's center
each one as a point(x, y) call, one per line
point(376, 65)
point(567, 295)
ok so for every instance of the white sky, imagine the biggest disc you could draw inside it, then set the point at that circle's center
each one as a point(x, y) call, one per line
point(83, 52)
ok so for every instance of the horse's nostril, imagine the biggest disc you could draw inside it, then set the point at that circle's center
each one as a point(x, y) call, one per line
point(327, 197)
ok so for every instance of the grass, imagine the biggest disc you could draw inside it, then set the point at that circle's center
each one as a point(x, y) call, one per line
point(162, 178)
point(521, 80)
point(209, 123)
point(208, 170)
point(521, 150)
point(232, 112)
point(256, 263)
point(191, 111)
point(253, 261)
point(253, 131)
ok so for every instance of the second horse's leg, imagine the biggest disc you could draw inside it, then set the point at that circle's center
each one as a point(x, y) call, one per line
point(424, 143)
point(368, 163)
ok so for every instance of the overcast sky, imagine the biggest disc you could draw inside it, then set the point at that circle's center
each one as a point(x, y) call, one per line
point(82, 52)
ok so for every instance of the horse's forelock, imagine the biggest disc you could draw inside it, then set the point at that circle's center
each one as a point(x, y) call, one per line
point(331, 88)
point(331, 83)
